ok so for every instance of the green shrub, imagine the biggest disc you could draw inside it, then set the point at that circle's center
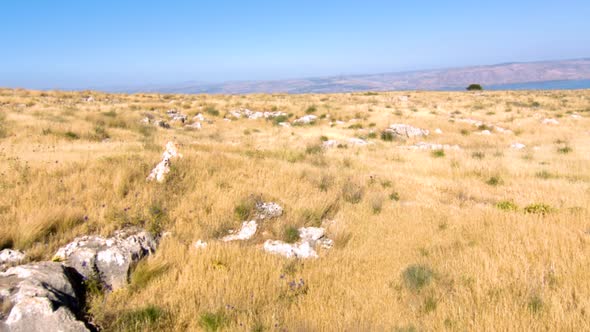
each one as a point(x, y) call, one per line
point(478, 155)
point(495, 181)
point(290, 234)
point(535, 303)
point(538, 208)
point(213, 321)
point(355, 126)
point(474, 87)
point(311, 109)
point(438, 153)
point(565, 149)
point(144, 319)
point(278, 119)
point(387, 136)
point(417, 276)
point(507, 206)
point(245, 208)
point(71, 135)
point(314, 149)
point(211, 111)
point(394, 196)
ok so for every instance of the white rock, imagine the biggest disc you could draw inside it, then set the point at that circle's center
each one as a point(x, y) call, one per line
point(329, 144)
point(576, 116)
point(311, 234)
point(309, 237)
point(199, 117)
point(357, 141)
point(195, 125)
point(9, 257)
point(163, 168)
point(248, 230)
point(485, 132)
point(200, 244)
point(550, 122)
point(438, 131)
point(298, 250)
point(406, 131)
point(268, 210)
point(145, 120)
point(306, 119)
point(517, 146)
point(432, 146)
point(284, 124)
point(403, 98)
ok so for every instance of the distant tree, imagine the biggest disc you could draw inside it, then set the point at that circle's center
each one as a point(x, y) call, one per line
point(474, 87)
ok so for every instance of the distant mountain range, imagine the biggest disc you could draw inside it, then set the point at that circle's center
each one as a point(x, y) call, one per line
point(439, 79)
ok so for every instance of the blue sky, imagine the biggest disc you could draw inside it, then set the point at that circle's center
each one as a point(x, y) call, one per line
point(84, 44)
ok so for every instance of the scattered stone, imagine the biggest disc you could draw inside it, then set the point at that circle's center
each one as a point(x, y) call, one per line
point(89, 99)
point(200, 244)
point(309, 237)
point(174, 115)
point(9, 257)
point(248, 230)
point(438, 131)
point(357, 141)
point(432, 146)
point(406, 131)
point(195, 125)
point(576, 116)
point(145, 120)
point(255, 115)
point(403, 98)
point(268, 210)
point(163, 168)
point(298, 250)
point(284, 124)
point(199, 117)
point(40, 297)
point(517, 146)
point(109, 259)
point(485, 132)
point(329, 144)
point(550, 122)
point(306, 119)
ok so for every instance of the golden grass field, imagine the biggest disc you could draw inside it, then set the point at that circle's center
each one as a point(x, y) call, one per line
point(485, 238)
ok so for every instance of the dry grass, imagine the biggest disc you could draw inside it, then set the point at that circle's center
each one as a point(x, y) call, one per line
point(484, 238)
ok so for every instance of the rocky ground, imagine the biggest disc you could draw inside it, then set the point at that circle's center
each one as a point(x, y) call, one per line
point(364, 211)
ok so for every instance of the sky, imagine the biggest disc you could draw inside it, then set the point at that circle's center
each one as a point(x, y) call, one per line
point(91, 44)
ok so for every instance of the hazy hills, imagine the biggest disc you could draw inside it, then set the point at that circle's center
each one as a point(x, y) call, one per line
point(440, 79)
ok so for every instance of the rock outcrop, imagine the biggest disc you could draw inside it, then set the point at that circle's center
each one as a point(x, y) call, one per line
point(40, 297)
point(9, 257)
point(306, 119)
point(108, 259)
point(159, 172)
point(309, 238)
point(246, 232)
point(401, 130)
point(268, 210)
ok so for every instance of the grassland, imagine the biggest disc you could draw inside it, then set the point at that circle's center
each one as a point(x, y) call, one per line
point(485, 237)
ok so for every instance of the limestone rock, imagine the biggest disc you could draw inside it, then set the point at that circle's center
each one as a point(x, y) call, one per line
point(9, 257)
point(108, 259)
point(306, 119)
point(268, 210)
point(246, 232)
point(406, 131)
point(309, 238)
point(163, 168)
point(517, 146)
point(40, 297)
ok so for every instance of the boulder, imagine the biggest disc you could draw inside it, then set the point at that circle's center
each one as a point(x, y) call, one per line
point(406, 131)
point(9, 257)
point(40, 297)
point(268, 210)
point(246, 232)
point(357, 141)
point(108, 259)
point(159, 172)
